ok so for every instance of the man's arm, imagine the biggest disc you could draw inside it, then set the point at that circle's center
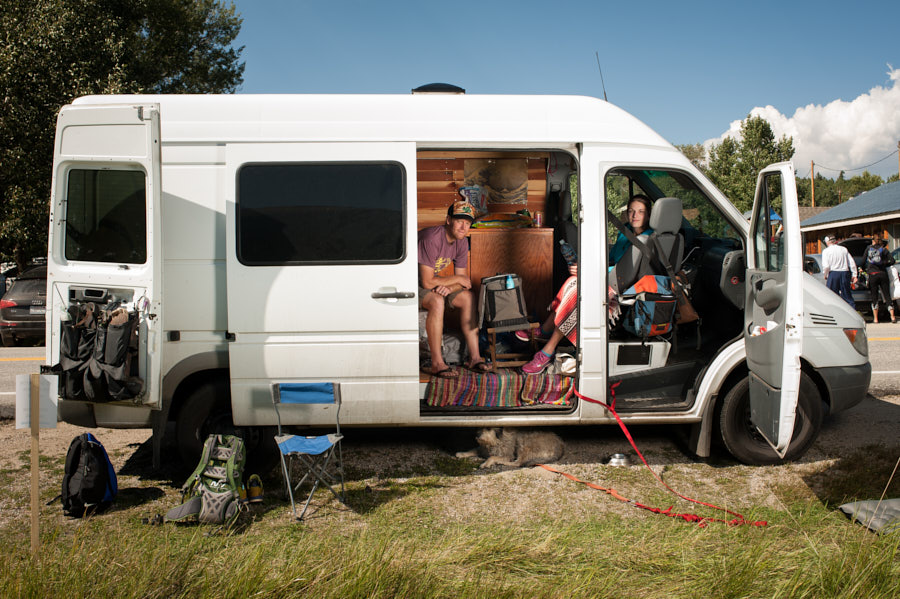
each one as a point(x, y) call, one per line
point(851, 266)
point(443, 285)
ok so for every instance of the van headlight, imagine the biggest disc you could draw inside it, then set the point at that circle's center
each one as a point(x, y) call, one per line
point(858, 340)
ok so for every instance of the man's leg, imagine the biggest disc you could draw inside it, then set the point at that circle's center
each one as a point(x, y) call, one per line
point(846, 290)
point(434, 328)
point(465, 303)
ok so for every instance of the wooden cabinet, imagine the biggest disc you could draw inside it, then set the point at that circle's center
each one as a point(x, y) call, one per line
point(526, 252)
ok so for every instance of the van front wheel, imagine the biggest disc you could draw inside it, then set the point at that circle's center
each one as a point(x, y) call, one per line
point(744, 442)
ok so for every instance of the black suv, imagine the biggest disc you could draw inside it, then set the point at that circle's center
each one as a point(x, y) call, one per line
point(862, 295)
point(23, 307)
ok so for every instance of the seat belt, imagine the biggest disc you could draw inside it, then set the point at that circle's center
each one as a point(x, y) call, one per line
point(658, 256)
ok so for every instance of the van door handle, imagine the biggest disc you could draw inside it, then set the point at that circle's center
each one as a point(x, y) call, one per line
point(394, 295)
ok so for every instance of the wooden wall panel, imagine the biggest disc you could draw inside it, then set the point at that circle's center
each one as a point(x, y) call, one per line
point(440, 175)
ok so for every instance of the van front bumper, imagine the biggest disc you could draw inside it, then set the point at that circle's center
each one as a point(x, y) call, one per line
point(847, 385)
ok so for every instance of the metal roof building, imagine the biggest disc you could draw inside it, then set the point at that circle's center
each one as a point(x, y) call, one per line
point(872, 212)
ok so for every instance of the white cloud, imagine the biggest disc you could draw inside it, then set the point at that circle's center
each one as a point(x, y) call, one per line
point(839, 135)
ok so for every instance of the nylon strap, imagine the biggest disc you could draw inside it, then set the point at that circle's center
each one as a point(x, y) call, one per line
point(738, 520)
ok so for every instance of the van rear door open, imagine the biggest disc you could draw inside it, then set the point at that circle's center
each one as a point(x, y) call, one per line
point(322, 277)
point(773, 318)
point(106, 245)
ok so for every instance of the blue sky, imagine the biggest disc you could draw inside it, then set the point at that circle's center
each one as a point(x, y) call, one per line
point(687, 69)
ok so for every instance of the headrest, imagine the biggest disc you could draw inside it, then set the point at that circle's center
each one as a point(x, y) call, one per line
point(665, 217)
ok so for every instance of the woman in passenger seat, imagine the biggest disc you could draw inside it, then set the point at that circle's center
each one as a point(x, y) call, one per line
point(562, 321)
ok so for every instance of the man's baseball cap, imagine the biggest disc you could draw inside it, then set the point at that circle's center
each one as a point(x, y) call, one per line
point(829, 238)
point(462, 209)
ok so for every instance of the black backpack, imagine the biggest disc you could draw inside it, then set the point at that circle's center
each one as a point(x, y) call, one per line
point(89, 484)
point(501, 303)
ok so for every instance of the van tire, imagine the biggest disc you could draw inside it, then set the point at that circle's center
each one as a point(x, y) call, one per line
point(207, 410)
point(743, 441)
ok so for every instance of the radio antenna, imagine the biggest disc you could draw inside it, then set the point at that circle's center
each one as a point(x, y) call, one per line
point(597, 54)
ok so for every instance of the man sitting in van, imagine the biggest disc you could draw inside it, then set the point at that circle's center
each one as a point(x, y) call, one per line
point(439, 292)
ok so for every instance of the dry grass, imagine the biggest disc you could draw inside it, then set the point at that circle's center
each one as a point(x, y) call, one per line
point(421, 523)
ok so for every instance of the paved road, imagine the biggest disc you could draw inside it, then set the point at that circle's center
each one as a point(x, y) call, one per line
point(884, 354)
point(13, 361)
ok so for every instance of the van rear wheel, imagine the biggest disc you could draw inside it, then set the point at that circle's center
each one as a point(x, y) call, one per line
point(207, 411)
point(744, 442)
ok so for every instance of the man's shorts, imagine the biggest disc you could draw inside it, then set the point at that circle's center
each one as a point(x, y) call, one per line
point(448, 299)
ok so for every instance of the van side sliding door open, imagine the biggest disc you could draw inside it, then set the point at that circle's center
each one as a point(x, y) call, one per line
point(773, 318)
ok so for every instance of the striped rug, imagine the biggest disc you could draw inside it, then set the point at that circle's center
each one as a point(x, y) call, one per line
point(504, 389)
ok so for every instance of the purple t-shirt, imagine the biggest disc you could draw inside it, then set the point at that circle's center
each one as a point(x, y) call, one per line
point(435, 251)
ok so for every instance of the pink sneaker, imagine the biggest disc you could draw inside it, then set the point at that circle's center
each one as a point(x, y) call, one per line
point(524, 335)
point(538, 363)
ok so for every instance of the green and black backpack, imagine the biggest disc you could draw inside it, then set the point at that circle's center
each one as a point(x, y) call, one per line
point(211, 495)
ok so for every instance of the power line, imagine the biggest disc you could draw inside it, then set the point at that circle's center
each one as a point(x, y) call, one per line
point(859, 168)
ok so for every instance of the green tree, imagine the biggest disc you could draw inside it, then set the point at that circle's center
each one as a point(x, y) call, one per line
point(52, 51)
point(860, 183)
point(831, 192)
point(734, 165)
point(696, 153)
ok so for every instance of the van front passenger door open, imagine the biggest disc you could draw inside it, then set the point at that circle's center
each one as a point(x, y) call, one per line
point(773, 317)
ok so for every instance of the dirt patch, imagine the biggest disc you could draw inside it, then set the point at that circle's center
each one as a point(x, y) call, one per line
point(382, 462)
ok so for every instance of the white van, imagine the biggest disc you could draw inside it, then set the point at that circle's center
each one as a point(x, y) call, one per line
point(262, 239)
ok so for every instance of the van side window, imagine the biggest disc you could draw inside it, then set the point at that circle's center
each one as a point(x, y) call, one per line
point(767, 237)
point(106, 216)
point(320, 213)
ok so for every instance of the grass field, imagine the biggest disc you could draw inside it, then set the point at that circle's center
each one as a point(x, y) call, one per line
point(420, 523)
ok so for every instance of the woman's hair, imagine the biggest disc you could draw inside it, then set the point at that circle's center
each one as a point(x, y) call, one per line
point(643, 200)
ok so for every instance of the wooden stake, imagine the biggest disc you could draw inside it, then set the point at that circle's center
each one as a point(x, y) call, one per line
point(35, 464)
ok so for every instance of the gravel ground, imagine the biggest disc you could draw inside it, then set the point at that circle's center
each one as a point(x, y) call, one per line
point(506, 495)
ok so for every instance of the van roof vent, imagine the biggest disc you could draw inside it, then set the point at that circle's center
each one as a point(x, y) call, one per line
point(438, 88)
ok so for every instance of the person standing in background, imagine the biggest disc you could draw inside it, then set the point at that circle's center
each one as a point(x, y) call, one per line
point(840, 269)
point(878, 260)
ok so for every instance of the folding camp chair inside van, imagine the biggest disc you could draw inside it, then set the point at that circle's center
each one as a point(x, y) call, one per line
point(318, 457)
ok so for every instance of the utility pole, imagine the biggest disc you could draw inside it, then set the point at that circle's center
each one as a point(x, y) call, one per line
point(812, 181)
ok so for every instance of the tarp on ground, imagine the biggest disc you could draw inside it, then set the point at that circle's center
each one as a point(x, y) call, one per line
point(882, 516)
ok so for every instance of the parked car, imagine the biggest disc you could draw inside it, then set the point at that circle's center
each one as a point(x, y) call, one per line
point(862, 295)
point(23, 307)
point(812, 264)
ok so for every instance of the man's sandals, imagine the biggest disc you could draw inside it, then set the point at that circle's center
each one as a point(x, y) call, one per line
point(479, 367)
point(444, 373)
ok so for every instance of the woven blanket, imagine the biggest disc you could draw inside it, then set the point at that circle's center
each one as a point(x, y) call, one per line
point(504, 389)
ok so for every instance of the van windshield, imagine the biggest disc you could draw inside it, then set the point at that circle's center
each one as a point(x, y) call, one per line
point(700, 213)
point(106, 216)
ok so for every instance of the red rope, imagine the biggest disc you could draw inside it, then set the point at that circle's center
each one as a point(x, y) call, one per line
point(700, 520)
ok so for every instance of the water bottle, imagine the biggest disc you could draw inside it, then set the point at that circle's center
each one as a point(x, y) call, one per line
point(510, 284)
point(568, 252)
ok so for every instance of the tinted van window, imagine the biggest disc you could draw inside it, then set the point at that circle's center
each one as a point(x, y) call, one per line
point(320, 213)
point(106, 216)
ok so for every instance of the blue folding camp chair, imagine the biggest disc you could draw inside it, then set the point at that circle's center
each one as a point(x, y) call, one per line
point(319, 456)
